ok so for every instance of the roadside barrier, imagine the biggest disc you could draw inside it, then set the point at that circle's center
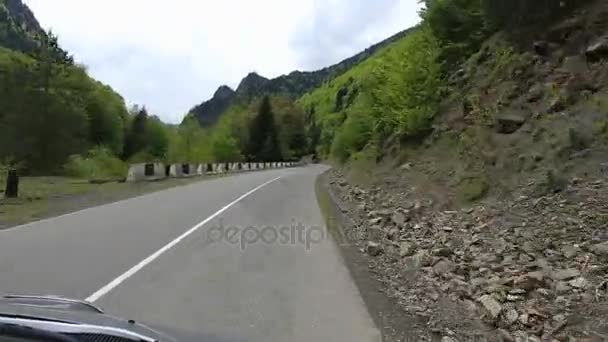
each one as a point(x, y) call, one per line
point(146, 172)
point(157, 171)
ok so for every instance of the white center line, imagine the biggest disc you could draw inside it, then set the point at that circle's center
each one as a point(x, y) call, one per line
point(114, 283)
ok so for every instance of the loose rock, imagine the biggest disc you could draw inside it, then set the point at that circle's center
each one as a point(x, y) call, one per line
point(399, 219)
point(491, 305)
point(565, 274)
point(579, 283)
point(443, 267)
point(600, 249)
point(374, 248)
point(406, 249)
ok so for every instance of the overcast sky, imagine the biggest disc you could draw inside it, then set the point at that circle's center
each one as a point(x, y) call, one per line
point(171, 55)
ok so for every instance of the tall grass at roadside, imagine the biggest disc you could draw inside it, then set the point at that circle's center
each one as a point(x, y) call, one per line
point(98, 164)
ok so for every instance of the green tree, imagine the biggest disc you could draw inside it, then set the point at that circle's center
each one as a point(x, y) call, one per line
point(263, 139)
point(107, 115)
point(190, 137)
point(157, 139)
point(136, 140)
point(459, 25)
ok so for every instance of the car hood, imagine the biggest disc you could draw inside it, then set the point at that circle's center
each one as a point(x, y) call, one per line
point(62, 310)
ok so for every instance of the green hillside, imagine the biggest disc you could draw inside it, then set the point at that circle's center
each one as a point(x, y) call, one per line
point(394, 91)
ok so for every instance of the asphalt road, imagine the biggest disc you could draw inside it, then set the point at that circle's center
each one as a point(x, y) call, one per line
point(240, 258)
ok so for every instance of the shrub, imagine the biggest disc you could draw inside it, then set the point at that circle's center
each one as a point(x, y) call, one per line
point(473, 189)
point(352, 136)
point(98, 164)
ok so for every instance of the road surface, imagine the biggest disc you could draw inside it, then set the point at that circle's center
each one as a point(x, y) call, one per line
point(239, 258)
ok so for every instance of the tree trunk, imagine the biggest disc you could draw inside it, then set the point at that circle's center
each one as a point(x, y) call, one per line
point(12, 185)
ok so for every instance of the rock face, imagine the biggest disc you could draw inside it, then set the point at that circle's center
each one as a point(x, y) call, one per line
point(18, 26)
point(209, 112)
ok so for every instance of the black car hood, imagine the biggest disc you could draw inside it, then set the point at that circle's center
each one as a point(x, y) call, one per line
point(70, 311)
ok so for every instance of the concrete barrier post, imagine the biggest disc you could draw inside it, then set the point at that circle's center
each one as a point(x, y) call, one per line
point(136, 173)
point(146, 172)
point(12, 184)
point(176, 170)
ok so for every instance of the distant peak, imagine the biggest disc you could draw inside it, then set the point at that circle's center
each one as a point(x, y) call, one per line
point(223, 91)
point(254, 75)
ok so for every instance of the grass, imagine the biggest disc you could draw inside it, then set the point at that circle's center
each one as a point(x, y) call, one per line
point(43, 197)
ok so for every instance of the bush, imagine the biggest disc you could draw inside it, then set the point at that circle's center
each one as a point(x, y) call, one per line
point(473, 189)
point(352, 137)
point(99, 164)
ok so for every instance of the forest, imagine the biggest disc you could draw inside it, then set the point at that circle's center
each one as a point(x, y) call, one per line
point(55, 119)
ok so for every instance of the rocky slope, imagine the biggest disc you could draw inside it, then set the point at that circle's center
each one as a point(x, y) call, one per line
point(292, 85)
point(19, 29)
point(529, 267)
point(494, 226)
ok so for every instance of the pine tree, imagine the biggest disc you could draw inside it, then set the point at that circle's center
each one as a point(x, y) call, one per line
point(263, 139)
point(136, 136)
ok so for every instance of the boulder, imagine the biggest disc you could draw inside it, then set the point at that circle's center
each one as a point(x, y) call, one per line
point(444, 267)
point(531, 281)
point(418, 260)
point(509, 123)
point(600, 249)
point(399, 219)
point(541, 48)
point(491, 305)
point(535, 93)
point(565, 274)
point(510, 317)
point(406, 249)
point(598, 50)
point(579, 283)
point(562, 287)
point(374, 249)
point(393, 234)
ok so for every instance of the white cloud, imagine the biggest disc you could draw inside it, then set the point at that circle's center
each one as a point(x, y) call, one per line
point(171, 55)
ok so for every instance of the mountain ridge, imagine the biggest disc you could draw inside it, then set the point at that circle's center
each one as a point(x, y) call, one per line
point(22, 31)
point(292, 85)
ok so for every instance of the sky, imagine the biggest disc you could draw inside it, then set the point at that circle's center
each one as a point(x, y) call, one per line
point(172, 55)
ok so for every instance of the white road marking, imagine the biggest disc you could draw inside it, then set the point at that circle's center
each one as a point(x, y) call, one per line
point(114, 283)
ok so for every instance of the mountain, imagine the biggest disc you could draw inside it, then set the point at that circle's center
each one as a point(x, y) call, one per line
point(213, 109)
point(292, 85)
point(19, 29)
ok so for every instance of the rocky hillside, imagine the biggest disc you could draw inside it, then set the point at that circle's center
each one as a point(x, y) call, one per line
point(19, 29)
point(492, 224)
point(292, 86)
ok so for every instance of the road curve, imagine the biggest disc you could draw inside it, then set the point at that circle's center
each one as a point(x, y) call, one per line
point(239, 258)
